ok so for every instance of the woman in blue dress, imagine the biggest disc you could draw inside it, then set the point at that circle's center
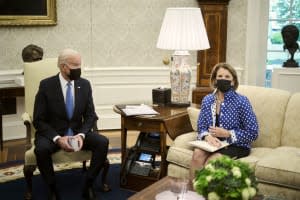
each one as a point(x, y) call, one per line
point(225, 115)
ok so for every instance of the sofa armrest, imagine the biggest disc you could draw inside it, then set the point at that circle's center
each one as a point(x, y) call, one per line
point(183, 140)
point(27, 122)
point(193, 112)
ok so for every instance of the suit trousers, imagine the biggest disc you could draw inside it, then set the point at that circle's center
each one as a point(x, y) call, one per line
point(44, 148)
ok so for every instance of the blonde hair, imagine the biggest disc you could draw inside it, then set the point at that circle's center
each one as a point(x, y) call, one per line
point(228, 67)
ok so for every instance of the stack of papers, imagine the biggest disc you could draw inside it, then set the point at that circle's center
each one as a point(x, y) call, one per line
point(142, 109)
point(206, 146)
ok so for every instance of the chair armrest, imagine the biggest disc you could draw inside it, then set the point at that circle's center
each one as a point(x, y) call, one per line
point(26, 117)
point(27, 122)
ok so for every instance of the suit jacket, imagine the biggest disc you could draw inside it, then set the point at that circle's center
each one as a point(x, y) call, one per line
point(50, 116)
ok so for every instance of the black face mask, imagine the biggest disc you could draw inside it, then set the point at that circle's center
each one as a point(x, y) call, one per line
point(223, 85)
point(74, 74)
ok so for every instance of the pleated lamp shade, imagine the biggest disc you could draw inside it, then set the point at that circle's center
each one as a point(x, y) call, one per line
point(183, 29)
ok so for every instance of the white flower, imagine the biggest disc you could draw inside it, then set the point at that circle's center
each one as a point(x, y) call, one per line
point(252, 191)
point(236, 172)
point(195, 182)
point(248, 181)
point(213, 196)
point(210, 167)
point(245, 194)
point(208, 178)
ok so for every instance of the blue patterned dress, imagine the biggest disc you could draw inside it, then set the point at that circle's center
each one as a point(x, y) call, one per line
point(236, 115)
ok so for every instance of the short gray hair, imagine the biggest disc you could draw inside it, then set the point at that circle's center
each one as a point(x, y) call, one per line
point(64, 55)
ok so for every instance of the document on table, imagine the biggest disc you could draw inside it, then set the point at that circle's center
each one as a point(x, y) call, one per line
point(206, 146)
point(131, 110)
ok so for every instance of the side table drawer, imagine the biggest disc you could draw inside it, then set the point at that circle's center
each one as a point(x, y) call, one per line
point(142, 125)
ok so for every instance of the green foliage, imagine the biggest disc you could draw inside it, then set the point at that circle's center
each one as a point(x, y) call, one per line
point(276, 38)
point(225, 178)
point(284, 6)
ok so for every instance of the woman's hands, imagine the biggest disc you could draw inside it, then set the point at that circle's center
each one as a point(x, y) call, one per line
point(219, 132)
point(212, 140)
point(216, 132)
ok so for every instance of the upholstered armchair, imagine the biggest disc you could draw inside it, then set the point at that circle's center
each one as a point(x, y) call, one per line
point(33, 73)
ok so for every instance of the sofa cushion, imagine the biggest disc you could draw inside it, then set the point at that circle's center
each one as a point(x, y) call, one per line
point(280, 167)
point(183, 140)
point(178, 171)
point(256, 154)
point(180, 156)
point(59, 157)
point(193, 115)
point(181, 152)
point(269, 105)
point(291, 128)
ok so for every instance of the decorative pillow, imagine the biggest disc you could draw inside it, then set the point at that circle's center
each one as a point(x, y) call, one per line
point(193, 115)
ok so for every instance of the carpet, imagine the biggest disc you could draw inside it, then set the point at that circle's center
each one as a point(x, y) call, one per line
point(69, 179)
point(14, 169)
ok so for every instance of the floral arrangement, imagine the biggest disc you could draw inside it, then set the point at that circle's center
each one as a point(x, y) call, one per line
point(224, 178)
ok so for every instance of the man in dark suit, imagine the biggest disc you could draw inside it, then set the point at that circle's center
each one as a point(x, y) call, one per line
point(64, 111)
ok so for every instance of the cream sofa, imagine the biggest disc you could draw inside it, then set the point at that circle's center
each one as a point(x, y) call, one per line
point(275, 155)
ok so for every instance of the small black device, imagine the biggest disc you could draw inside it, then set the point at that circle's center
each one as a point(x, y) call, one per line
point(145, 157)
point(140, 168)
point(140, 159)
point(148, 142)
point(161, 96)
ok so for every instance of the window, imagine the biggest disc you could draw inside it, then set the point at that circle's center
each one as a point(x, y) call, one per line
point(281, 13)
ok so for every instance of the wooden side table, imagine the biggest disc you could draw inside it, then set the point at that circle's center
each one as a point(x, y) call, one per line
point(7, 92)
point(167, 122)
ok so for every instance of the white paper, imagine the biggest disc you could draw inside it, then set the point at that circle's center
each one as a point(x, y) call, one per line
point(139, 110)
point(74, 144)
point(206, 146)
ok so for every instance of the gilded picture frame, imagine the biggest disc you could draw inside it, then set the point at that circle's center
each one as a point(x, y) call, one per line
point(28, 13)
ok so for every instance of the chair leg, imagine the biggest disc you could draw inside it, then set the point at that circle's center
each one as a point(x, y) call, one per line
point(28, 173)
point(104, 186)
point(84, 166)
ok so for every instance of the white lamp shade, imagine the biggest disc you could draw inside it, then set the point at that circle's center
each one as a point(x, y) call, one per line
point(183, 29)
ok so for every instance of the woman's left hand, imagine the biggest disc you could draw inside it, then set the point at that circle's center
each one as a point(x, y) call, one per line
point(219, 132)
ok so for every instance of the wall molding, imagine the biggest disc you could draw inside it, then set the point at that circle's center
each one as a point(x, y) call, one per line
point(111, 86)
point(125, 85)
point(9, 76)
point(286, 79)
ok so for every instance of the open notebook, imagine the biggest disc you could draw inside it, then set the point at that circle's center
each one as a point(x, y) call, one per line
point(206, 146)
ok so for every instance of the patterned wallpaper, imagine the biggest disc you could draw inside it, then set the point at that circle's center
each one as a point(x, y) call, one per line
point(106, 32)
point(236, 33)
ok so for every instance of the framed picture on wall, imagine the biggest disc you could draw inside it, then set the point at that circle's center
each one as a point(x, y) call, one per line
point(27, 12)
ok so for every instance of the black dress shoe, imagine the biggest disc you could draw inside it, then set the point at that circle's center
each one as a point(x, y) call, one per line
point(89, 194)
point(53, 195)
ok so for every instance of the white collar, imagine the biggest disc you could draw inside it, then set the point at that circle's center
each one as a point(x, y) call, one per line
point(63, 81)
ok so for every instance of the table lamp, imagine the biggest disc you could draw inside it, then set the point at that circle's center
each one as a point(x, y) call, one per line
point(182, 30)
